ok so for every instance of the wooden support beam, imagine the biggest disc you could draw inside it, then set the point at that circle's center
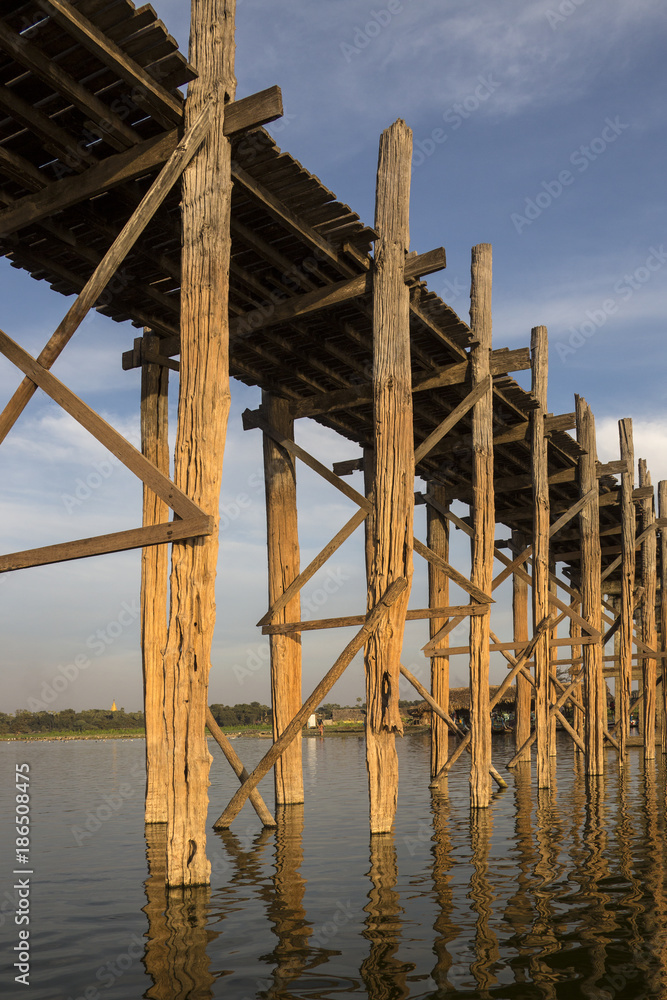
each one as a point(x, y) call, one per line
point(458, 578)
point(510, 483)
point(521, 432)
point(541, 516)
point(628, 531)
point(373, 620)
point(483, 515)
point(256, 800)
point(110, 263)
point(649, 575)
point(154, 588)
point(147, 93)
point(520, 625)
point(283, 569)
point(141, 159)
point(414, 615)
point(391, 523)
point(102, 431)
point(481, 388)
point(437, 539)
point(203, 409)
point(662, 648)
point(595, 701)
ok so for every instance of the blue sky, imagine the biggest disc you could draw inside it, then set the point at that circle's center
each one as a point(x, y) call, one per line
point(538, 128)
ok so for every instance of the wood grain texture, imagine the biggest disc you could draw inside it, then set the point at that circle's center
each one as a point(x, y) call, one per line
point(628, 532)
point(595, 702)
point(283, 568)
point(437, 539)
point(541, 517)
point(203, 410)
point(390, 526)
point(483, 518)
point(154, 587)
point(662, 648)
point(649, 580)
point(523, 688)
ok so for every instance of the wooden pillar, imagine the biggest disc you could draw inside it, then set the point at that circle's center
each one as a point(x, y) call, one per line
point(283, 562)
point(203, 409)
point(539, 348)
point(616, 604)
point(483, 523)
point(649, 574)
point(575, 631)
point(391, 524)
point(154, 584)
point(662, 645)
point(438, 597)
point(595, 701)
point(628, 534)
point(553, 669)
point(523, 686)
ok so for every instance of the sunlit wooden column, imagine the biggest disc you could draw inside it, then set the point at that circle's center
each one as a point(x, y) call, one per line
point(539, 348)
point(595, 701)
point(203, 409)
point(154, 583)
point(520, 623)
point(391, 524)
point(628, 533)
point(578, 726)
point(282, 537)
point(438, 597)
point(483, 523)
point(553, 655)
point(662, 645)
point(649, 573)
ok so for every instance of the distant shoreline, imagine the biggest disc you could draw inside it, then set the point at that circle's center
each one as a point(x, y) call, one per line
point(139, 734)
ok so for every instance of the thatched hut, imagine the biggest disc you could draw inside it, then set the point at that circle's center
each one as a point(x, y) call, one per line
point(459, 705)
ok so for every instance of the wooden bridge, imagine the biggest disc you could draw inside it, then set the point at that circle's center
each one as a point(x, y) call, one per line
point(183, 217)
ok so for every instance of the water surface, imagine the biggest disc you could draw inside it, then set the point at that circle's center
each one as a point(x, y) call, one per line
point(556, 894)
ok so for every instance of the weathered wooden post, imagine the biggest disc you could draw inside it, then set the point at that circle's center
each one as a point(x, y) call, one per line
point(628, 532)
point(520, 620)
point(553, 669)
point(575, 632)
point(438, 597)
point(283, 559)
point(662, 512)
point(649, 575)
point(483, 522)
point(154, 584)
point(595, 701)
point(391, 525)
point(203, 409)
point(539, 348)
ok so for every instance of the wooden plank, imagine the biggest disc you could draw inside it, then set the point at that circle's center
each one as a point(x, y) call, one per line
point(256, 800)
point(373, 620)
point(521, 432)
point(420, 264)
point(433, 646)
point(482, 387)
point(105, 270)
point(302, 579)
point(119, 541)
point(101, 430)
point(146, 91)
point(458, 578)
point(203, 410)
point(509, 483)
point(112, 126)
point(283, 568)
point(483, 517)
point(499, 647)
point(416, 614)
point(389, 529)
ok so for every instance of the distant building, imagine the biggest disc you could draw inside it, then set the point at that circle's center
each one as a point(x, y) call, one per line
point(348, 715)
point(113, 707)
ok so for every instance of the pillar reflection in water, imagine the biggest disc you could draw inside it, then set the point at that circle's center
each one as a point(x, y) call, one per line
point(286, 911)
point(445, 929)
point(598, 921)
point(545, 935)
point(384, 976)
point(487, 953)
point(520, 911)
point(653, 954)
point(175, 958)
